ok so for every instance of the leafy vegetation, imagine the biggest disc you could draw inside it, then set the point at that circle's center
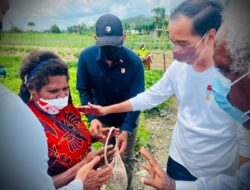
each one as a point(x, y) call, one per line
point(55, 29)
point(159, 19)
point(77, 29)
point(11, 65)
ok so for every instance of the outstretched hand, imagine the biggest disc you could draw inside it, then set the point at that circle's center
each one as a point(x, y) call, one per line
point(159, 179)
point(92, 109)
point(93, 179)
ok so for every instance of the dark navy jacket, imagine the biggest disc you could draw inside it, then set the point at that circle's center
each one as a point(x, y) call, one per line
point(104, 85)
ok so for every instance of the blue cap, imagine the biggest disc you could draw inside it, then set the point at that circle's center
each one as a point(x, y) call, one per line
point(109, 31)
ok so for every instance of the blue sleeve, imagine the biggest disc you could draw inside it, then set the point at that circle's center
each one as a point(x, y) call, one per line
point(136, 88)
point(83, 83)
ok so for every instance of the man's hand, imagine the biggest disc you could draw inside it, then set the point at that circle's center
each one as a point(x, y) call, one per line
point(159, 179)
point(122, 141)
point(92, 109)
point(91, 178)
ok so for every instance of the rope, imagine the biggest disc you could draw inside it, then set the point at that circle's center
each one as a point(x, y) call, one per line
point(105, 147)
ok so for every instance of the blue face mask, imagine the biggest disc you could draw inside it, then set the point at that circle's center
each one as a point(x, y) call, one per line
point(221, 87)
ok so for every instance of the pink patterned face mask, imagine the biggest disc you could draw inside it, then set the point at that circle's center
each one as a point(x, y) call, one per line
point(188, 54)
point(53, 106)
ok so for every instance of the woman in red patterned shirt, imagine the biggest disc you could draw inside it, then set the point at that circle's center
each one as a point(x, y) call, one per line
point(45, 77)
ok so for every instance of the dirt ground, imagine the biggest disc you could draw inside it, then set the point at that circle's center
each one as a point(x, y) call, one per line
point(161, 128)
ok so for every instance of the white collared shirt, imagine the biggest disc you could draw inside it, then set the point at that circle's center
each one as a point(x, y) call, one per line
point(204, 139)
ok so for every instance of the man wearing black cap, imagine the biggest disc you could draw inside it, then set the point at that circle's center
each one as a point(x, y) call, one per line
point(109, 73)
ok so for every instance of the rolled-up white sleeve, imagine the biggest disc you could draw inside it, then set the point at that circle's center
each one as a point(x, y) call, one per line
point(157, 94)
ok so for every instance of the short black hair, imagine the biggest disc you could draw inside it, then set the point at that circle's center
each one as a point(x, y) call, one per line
point(205, 14)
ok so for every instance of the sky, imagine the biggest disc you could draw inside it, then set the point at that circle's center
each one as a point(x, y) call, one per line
point(63, 13)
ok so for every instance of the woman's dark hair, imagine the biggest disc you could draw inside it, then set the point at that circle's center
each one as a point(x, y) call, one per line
point(205, 14)
point(36, 69)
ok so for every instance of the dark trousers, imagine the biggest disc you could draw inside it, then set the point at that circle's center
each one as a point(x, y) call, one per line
point(178, 172)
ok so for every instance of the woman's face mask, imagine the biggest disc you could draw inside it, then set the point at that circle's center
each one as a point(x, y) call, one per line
point(53, 106)
point(188, 54)
point(221, 87)
point(111, 53)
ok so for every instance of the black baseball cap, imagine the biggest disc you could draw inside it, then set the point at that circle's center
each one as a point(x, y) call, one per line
point(109, 31)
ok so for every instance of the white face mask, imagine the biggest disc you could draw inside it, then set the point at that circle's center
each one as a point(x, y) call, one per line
point(53, 106)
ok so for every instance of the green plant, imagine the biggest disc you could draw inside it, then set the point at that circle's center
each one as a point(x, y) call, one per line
point(11, 65)
point(142, 134)
point(151, 77)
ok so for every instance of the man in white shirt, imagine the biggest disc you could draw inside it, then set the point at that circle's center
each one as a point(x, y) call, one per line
point(204, 140)
point(232, 51)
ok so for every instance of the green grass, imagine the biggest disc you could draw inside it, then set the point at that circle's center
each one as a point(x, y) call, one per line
point(11, 65)
point(142, 134)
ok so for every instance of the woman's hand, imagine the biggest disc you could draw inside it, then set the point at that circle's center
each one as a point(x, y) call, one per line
point(67, 176)
point(159, 179)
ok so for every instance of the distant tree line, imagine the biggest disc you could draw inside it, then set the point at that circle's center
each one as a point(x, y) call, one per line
point(160, 22)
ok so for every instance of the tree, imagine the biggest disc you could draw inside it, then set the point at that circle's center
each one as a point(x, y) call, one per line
point(31, 25)
point(159, 20)
point(55, 29)
point(78, 29)
point(127, 27)
point(15, 29)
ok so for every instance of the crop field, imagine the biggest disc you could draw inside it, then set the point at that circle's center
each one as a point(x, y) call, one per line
point(69, 46)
